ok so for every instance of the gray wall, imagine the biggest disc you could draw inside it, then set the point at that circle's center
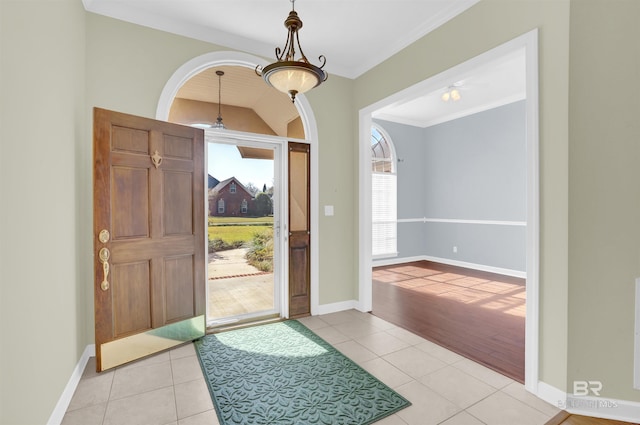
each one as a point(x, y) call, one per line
point(410, 151)
point(472, 168)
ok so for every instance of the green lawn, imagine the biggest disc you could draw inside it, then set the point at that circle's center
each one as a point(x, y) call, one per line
point(234, 233)
point(215, 221)
point(232, 229)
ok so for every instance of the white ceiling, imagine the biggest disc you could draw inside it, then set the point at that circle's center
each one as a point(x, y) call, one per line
point(494, 84)
point(354, 36)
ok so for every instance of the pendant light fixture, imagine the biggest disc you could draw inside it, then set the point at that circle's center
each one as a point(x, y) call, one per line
point(219, 124)
point(288, 74)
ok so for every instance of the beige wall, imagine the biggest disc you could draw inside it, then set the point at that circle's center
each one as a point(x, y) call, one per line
point(127, 68)
point(43, 284)
point(332, 105)
point(604, 193)
point(482, 27)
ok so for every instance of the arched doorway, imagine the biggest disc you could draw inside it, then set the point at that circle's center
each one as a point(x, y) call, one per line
point(303, 131)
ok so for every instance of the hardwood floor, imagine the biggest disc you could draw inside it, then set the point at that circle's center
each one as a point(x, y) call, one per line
point(564, 418)
point(477, 314)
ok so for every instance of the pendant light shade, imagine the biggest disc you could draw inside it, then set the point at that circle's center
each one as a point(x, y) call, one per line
point(288, 74)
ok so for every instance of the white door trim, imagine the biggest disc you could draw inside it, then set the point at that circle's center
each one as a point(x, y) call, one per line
point(229, 58)
point(528, 42)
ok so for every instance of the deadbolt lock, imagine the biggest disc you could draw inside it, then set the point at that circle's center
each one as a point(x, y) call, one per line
point(104, 236)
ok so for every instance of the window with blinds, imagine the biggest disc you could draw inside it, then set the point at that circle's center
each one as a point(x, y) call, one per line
point(383, 196)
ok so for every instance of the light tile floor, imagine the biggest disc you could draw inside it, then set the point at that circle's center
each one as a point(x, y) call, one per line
point(445, 388)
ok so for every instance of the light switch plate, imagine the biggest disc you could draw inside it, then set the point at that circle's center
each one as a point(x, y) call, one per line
point(328, 210)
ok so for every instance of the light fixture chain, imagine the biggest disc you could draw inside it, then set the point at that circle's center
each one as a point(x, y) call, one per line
point(219, 124)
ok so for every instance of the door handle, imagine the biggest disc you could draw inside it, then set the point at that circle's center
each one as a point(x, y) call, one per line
point(104, 259)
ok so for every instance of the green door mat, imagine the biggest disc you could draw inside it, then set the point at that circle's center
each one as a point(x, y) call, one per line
point(282, 373)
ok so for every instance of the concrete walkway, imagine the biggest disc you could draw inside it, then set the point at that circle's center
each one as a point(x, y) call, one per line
point(229, 263)
point(235, 287)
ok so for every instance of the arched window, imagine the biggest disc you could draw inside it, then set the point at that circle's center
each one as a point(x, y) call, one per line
point(384, 195)
point(232, 188)
point(220, 206)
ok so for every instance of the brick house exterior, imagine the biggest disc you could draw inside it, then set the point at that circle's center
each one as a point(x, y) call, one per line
point(229, 198)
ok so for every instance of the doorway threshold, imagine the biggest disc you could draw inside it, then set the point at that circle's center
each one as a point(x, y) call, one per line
point(223, 325)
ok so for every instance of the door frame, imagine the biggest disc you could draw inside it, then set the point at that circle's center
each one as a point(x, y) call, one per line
point(528, 42)
point(229, 58)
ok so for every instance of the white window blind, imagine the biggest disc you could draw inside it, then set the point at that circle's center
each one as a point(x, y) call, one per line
point(384, 215)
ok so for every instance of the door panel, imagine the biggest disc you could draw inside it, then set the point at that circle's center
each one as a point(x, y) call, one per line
point(298, 188)
point(130, 140)
point(178, 199)
point(131, 298)
point(179, 297)
point(130, 192)
point(299, 295)
point(149, 236)
point(177, 147)
point(299, 231)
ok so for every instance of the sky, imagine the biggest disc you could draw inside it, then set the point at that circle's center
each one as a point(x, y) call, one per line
point(224, 161)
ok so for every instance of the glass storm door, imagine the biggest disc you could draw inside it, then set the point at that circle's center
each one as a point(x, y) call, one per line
point(243, 223)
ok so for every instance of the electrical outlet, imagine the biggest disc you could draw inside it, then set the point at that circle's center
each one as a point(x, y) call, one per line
point(455, 249)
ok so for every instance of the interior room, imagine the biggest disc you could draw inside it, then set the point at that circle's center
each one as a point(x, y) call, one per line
point(461, 193)
point(62, 59)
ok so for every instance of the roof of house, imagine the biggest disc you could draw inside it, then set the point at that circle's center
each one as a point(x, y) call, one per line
point(212, 182)
point(224, 183)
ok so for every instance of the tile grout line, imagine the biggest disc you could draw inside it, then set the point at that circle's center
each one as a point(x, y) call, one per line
point(106, 406)
point(173, 387)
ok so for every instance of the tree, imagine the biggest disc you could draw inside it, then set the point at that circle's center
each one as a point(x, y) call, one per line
point(252, 189)
point(263, 204)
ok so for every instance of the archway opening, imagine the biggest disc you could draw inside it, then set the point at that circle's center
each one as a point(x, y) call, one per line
point(259, 122)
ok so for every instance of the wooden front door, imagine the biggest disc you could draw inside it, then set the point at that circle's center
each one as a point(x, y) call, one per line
point(299, 231)
point(149, 236)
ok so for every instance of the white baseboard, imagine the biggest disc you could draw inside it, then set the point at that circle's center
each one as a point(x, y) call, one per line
point(551, 395)
point(396, 260)
point(65, 399)
point(336, 307)
point(473, 266)
point(481, 267)
point(605, 408)
point(598, 407)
